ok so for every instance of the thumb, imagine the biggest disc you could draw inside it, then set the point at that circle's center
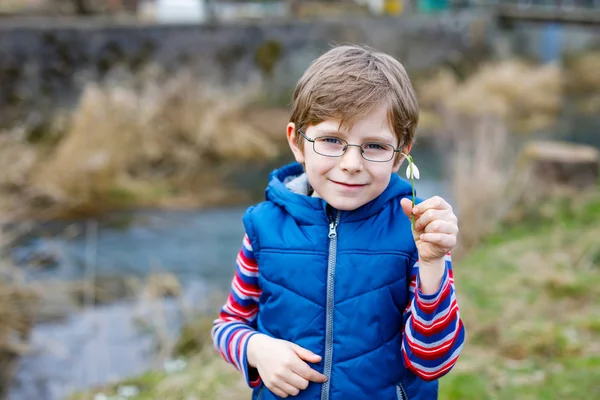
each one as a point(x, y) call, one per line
point(407, 206)
point(306, 355)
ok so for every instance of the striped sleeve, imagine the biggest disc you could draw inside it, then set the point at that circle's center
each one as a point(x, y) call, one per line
point(237, 319)
point(433, 331)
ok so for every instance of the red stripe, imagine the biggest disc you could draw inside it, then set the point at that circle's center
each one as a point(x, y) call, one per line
point(247, 263)
point(429, 307)
point(240, 310)
point(431, 353)
point(239, 349)
point(246, 288)
point(429, 376)
point(439, 325)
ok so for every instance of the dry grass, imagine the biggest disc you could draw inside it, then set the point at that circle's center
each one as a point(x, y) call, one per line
point(143, 140)
point(527, 97)
point(584, 81)
point(481, 169)
point(478, 124)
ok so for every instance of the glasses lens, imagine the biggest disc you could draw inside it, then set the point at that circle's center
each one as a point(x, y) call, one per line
point(378, 152)
point(330, 146)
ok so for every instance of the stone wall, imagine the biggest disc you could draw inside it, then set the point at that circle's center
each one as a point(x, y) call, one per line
point(44, 65)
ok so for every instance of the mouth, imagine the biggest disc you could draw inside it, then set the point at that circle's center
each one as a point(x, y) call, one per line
point(349, 185)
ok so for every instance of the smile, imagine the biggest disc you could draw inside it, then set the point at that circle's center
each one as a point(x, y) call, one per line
point(349, 185)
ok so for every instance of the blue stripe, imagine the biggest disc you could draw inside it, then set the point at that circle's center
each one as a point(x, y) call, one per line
point(252, 280)
point(243, 302)
point(248, 253)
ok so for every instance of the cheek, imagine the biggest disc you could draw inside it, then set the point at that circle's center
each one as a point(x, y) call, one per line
point(381, 172)
point(318, 164)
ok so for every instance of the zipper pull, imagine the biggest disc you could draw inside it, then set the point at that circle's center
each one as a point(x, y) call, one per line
point(332, 230)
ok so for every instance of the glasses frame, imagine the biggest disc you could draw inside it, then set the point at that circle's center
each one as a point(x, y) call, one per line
point(362, 150)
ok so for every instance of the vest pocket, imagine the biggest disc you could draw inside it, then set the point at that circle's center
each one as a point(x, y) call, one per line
point(400, 393)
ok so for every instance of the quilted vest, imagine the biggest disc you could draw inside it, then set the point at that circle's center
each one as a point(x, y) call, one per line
point(336, 283)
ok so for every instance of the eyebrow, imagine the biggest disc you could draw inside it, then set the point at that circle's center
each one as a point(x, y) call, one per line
point(371, 138)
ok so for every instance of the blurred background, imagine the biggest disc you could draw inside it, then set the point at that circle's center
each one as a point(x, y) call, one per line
point(134, 133)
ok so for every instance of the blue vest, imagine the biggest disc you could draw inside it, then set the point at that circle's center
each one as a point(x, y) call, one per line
point(336, 283)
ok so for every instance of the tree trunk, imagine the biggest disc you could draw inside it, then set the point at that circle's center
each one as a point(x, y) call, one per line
point(555, 164)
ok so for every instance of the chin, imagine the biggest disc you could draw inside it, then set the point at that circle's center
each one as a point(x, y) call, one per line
point(346, 205)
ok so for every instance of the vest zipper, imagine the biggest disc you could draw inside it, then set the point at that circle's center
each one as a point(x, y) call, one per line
point(400, 392)
point(260, 392)
point(335, 220)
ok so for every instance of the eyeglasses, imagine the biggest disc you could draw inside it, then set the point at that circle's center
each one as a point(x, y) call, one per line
point(331, 146)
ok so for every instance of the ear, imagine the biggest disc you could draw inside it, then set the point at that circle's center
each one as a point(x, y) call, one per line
point(400, 160)
point(292, 137)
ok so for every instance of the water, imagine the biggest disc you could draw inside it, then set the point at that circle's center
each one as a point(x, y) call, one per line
point(98, 345)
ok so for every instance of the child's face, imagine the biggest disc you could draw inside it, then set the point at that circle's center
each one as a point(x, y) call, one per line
point(349, 181)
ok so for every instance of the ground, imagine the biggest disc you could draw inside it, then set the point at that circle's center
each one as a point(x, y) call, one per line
point(530, 301)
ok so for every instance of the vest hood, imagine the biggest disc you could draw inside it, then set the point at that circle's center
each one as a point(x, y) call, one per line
point(313, 210)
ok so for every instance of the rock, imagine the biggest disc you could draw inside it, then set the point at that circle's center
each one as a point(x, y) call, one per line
point(554, 164)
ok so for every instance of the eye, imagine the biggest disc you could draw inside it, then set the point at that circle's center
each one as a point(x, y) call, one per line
point(376, 146)
point(330, 140)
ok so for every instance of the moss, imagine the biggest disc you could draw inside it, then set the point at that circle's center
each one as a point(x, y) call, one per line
point(267, 55)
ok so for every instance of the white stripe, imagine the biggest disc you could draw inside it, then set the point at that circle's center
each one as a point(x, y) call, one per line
point(441, 292)
point(433, 371)
point(439, 314)
point(437, 322)
point(247, 244)
point(231, 309)
point(244, 294)
point(431, 345)
point(245, 269)
point(223, 339)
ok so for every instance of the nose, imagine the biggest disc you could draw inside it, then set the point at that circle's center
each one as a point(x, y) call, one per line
point(352, 160)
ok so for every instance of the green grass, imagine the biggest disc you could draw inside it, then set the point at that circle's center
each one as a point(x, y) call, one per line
point(530, 301)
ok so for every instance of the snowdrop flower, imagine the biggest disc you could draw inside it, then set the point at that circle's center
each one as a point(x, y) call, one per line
point(100, 396)
point(412, 171)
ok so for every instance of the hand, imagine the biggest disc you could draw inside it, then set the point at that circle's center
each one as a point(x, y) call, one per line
point(435, 228)
point(282, 365)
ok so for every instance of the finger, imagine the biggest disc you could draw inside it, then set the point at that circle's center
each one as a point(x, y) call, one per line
point(428, 216)
point(297, 381)
point(439, 226)
point(435, 202)
point(279, 392)
point(306, 372)
point(305, 354)
point(288, 389)
point(406, 206)
point(440, 239)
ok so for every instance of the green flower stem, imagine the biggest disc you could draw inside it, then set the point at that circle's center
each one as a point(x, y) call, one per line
point(412, 179)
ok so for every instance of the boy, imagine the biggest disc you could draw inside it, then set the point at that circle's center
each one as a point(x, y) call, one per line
point(335, 297)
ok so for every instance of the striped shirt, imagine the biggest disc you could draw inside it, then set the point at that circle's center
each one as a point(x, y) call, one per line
point(433, 331)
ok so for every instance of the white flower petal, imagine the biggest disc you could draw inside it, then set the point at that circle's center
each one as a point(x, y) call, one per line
point(412, 171)
point(416, 171)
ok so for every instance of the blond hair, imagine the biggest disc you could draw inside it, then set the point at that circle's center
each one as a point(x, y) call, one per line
point(347, 83)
